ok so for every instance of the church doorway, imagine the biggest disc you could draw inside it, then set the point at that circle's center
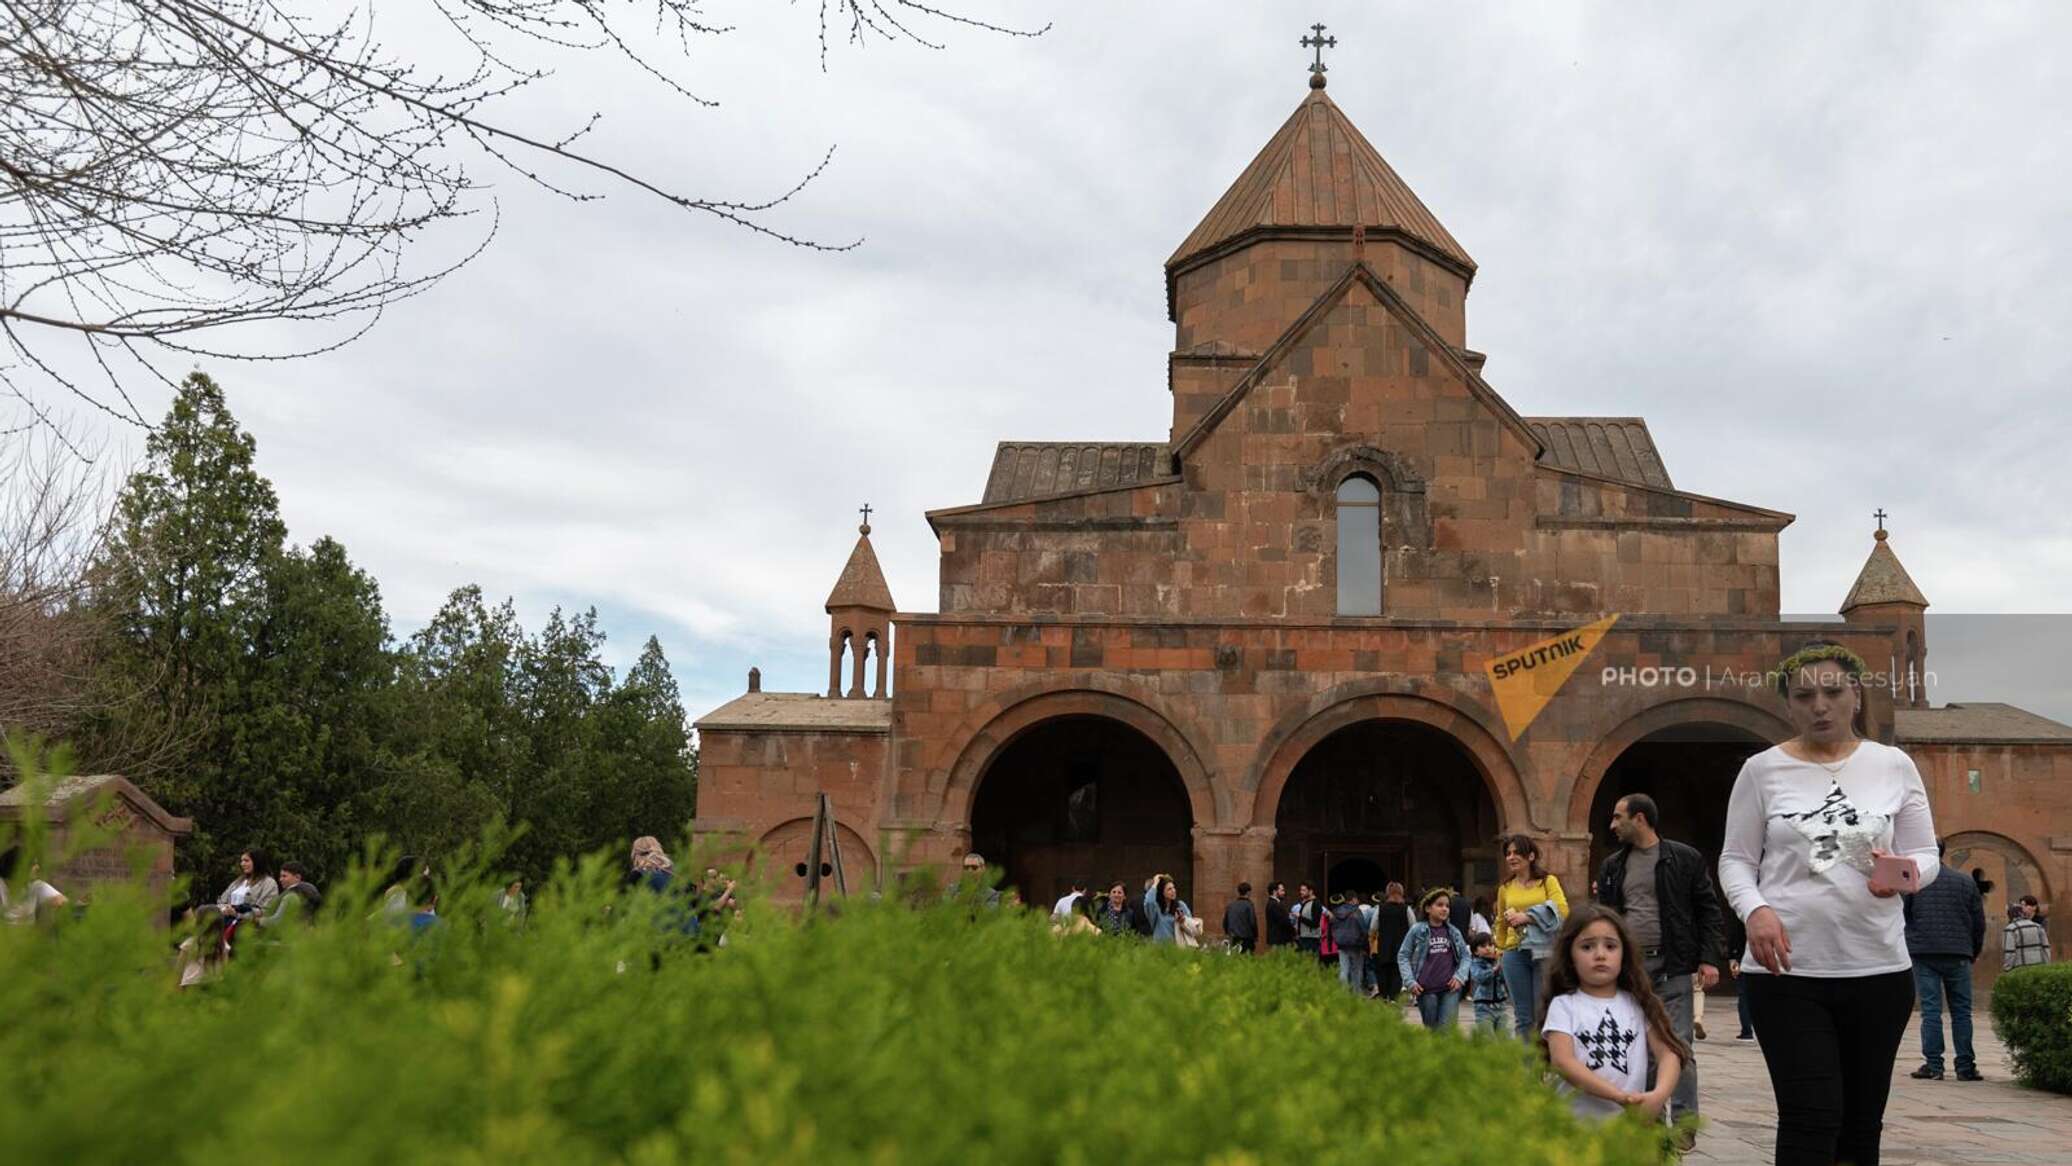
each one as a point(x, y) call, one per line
point(1386, 801)
point(1084, 797)
point(1689, 770)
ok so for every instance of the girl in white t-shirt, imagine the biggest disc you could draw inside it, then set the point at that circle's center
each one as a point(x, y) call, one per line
point(1602, 1024)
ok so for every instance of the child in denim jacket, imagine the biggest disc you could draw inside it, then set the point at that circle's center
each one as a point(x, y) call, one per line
point(1486, 982)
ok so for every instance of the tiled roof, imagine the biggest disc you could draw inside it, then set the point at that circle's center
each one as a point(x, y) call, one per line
point(1035, 469)
point(1883, 580)
point(1982, 722)
point(799, 711)
point(1319, 171)
point(1615, 447)
point(862, 583)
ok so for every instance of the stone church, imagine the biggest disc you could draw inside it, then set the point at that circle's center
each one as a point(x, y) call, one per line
point(1258, 646)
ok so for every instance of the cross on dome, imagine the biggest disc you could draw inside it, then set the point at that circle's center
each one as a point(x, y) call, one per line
point(1319, 42)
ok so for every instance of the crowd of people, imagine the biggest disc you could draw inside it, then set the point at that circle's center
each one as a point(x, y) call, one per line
point(1838, 916)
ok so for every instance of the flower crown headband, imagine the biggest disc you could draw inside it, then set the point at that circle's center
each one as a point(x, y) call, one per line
point(1813, 653)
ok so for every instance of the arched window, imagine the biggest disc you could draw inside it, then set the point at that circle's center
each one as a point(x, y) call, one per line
point(1914, 677)
point(1359, 546)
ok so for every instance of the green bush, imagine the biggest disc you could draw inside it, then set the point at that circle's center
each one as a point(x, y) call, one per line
point(881, 1034)
point(2032, 1011)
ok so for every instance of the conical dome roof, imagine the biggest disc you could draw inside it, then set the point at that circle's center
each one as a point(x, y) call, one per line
point(862, 583)
point(1883, 580)
point(1319, 171)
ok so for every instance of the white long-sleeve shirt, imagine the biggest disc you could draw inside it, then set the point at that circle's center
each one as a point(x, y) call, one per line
point(1799, 841)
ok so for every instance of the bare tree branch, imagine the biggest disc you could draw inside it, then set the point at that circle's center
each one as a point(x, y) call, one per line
point(174, 171)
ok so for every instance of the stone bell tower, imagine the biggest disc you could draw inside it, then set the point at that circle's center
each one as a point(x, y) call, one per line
point(1885, 594)
point(859, 620)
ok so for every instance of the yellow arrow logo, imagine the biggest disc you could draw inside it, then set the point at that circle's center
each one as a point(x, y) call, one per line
point(1525, 680)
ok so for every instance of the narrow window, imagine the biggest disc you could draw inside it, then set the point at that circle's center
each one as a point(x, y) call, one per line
point(1359, 547)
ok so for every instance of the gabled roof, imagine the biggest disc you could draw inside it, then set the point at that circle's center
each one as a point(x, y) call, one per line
point(1979, 722)
point(1034, 469)
point(80, 791)
point(862, 583)
point(764, 712)
point(1319, 171)
point(1358, 272)
point(1611, 447)
point(1883, 580)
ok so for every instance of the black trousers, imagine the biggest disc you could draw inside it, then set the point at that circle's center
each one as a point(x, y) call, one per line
point(1830, 1045)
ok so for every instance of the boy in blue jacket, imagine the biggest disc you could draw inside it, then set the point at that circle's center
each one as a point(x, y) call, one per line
point(1486, 982)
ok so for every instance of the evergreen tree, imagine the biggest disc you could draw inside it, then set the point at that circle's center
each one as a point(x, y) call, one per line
point(299, 727)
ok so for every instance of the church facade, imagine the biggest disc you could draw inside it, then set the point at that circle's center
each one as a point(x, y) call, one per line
point(1260, 645)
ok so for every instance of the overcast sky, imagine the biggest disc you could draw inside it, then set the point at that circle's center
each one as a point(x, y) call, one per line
point(1823, 250)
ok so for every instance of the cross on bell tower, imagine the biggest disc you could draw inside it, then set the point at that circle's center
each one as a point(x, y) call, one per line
point(1319, 42)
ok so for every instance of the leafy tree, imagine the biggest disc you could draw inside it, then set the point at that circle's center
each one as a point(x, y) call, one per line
point(299, 726)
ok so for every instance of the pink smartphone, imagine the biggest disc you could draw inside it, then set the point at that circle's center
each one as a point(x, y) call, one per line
point(1897, 872)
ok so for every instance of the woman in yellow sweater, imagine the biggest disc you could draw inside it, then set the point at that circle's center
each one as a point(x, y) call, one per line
point(1526, 885)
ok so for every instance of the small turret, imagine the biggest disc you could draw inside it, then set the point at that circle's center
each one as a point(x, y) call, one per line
point(859, 618)
point(1885, 594)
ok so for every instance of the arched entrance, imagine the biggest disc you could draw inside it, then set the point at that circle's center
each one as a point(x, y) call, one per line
point(1083, 797)
point(1689, 770)
point(1384, 800)
point(2007, 870)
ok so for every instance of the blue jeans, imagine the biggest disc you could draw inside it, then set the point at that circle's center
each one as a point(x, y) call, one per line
point(1937, 977)
point(1352, 965)
point(1489, 1016)
point(1522, 977)
point(1438, 1009)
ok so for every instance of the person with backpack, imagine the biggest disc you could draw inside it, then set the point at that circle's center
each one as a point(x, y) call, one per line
point(1392, 921)
point(1349, 936)
point(2023, 942)
point(1309, 921)
point(298, 901)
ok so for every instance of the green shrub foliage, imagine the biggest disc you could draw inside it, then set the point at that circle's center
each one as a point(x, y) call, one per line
point(591, 1032)
point(2032, 1011)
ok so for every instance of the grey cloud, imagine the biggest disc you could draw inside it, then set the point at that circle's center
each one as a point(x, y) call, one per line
point(1822, 253)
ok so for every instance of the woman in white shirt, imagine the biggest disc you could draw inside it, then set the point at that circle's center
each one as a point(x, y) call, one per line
point(1829, 982)
point(40, 901)
point(254, 888)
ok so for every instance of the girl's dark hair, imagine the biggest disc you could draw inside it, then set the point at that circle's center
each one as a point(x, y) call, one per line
point(405, 869)
point(1633, 976)
point(1527, 847)
point(262, 862)
point(1158, 897)
point(10, 858)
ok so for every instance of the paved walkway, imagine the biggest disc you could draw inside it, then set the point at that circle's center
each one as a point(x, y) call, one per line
point(1927, 1123)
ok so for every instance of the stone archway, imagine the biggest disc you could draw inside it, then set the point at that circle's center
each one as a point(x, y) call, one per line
point(2012, 871)
point(1727, 720)
point(1689, 771)
point(1386, 800)
point(1083, 798)
point(1449, 714)
point(996, 726)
